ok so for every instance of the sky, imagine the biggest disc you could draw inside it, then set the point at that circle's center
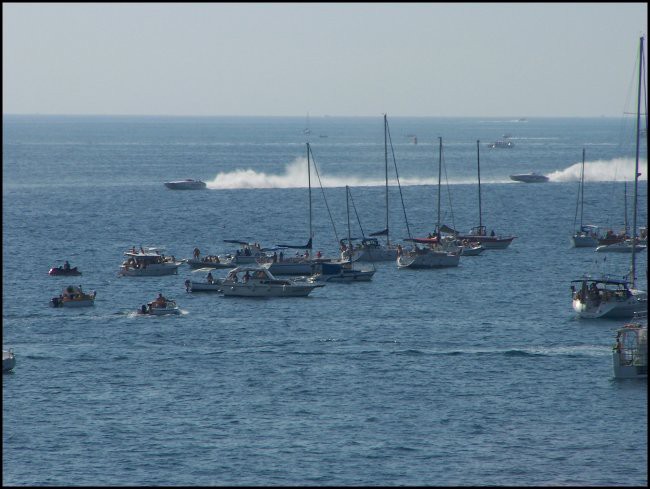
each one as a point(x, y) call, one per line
point(336, 59)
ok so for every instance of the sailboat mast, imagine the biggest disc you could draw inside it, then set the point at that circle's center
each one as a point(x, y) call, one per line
point(386, 161)
point(309, 185)
point(478, 164)
point(439, 180)
point(636, 164)
point(582, 187)
point(347, 208)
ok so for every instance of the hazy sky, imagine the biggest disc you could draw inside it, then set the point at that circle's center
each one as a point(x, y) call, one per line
point(431, 59)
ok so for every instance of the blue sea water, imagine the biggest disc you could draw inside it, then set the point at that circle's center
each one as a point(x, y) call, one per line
point(475, 375)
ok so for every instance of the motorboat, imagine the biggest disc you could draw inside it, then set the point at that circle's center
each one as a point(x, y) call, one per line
point(210, 261)
point(501, 143)
point(471, 248)
point(160, 307)
point(341, 272)
point(428, 256)
point(8, 360)
point(64, 271)
point(148, 262)
point(621, 247)
point(607, 298)
point(73, 296)
point(210, 284)
point(257, 281)
point(489, 242)
point(630, 352)
point(529, 178)
point(187, 184)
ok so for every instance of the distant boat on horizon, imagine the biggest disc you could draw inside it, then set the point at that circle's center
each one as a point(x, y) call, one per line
point(187, 184)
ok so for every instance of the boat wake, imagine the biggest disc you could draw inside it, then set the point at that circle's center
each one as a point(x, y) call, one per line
point(618, 169)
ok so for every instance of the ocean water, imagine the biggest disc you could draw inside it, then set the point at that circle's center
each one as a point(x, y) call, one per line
point(475, 375)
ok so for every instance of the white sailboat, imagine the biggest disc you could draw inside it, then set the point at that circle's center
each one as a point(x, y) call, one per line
point(479, 233)
point(606, 297)
point(370, 249)
point(435, 252)
point(586, 235)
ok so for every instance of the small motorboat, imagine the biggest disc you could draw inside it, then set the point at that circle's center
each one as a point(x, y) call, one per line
point(148, 262)
point(73, 296)
point(187, 184)
point(66, 270)
point(210, 284)
point(160, 307)
point(529, 178)
point(8, 360)
point(341, 272)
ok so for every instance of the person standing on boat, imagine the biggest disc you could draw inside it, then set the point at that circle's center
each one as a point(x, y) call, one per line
point(66, 266)
point(210, 279)
point(197, 253)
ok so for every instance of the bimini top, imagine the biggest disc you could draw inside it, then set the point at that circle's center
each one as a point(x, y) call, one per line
point(605, 280)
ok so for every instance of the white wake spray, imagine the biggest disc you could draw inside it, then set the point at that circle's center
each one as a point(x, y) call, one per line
point(616, 170)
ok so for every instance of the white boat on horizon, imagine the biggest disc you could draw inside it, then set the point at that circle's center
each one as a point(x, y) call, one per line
point(187, 184)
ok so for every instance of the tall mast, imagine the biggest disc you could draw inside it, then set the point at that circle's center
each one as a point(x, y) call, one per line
point(636, 164)
point(386, 160)
point(439, 179)
point(478, 164)
point(347, 208)
point(582, 187)
point(309, 185)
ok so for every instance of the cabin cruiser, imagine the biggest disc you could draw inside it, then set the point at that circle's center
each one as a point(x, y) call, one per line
point(73, 296)
point(187, 184)
point(149, 262)
point(529, 178)
point(257, 281)
point(630, 352)
point(607, 298)
point(340, 272)
point(160, 306)
point(8, 360)
point(621, 247)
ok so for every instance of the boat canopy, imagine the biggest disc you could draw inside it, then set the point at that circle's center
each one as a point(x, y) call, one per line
point(610, 281)
point(423, 240)
point(308, 246)
point(380, 233)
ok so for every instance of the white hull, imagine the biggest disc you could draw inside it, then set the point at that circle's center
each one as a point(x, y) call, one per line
point(430, 259)
point(477, 250)
point(265, 290)
point(290, 268)
point(205, 286)
point(614, 307)
point(584, 241)
point(627, 369)
point(620, 248)
point(163, 311)
point(153, 270)
point(82, 303)
point(372, 255)
point(8, 360)
point(346, 276)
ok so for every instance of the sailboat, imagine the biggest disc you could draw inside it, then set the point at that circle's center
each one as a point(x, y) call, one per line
point(435, 253)
point(370, 249)
point(606, 297)
point(344, 270)
point(586, 235)
point(302, 264)
point(479, 233)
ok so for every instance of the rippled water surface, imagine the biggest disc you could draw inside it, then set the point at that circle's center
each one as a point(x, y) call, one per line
point(475, 375)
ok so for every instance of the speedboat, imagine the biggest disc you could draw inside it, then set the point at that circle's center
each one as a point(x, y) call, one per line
point(187, 184)
point(257, 281)
point(149, 262)
point(160, 307)
point(529, 178)
point(607, 298)
point(64, 271)
point(340, 272)
point(630, 352)
point(73, 296)
point(8, 360)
